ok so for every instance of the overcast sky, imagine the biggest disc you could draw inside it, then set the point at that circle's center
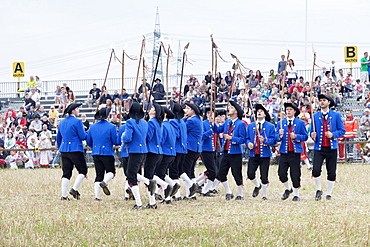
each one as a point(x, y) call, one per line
point(71, 39)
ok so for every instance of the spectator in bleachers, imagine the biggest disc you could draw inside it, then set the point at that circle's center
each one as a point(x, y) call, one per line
point(275, 108)
point(158, 90)
point(9, 113)
point(2, 133)
point(63, 100)
point(41, 111)
point(190, 94)
point(35, 96)
point(71, 97)
point(85, 122)
point(9, 141)
point(218, 79)
point(28, 102)
point(67, 88)
point(45, 156)
point(93, 96)
point(58, 92)
point(198, 98)
point(116, 108)
point(21, 141)
point(204, 87)
point(23, 111)
point(365, 123)
point(31, 84)
point(193, 81)
point(116, 95)
point(37, 124)
point(259, 76)
point(187, 87)
point(222, 93)
point(291, 72)
point(282, 64)
point(208, 78)
point(45, 121)
point(228, 79)
point(3, 155)
point(33, 143)
point(326, 78)
point(46, 132)
point(31, 114)
point(11, 160)
point(104, 97)
point(21, 120)
point(124, 95)
point(53, 116)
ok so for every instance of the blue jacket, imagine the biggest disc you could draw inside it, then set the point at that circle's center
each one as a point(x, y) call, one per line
point(154, 136)
point(269, 138)
point(335, 125)
point(168, 139)
point(134, 136)
point(70, 135)
point(194, 127)
point(101, 137)
point(299, 129)
point(123, 149)
point(208, 137)
point(181, 135)
point(238, 134)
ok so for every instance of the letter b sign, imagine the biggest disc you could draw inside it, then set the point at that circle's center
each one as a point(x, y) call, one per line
point(350, 54)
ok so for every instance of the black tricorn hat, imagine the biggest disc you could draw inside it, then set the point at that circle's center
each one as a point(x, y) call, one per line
point(238, 109)
point(268, 117)
point(177, 110)
point(297, 111)
point(71, 107)
point(158, 79)
point(102, 114)
point(158, 112)
point(220, 112)
point(168, 112)
point(325, 96)
point(207, 109)
point(195, 108)
point(136, 112)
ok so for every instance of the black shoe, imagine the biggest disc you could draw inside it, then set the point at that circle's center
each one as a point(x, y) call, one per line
point(296, 199)
point(158, 197)
point(151, 206)
point(239, 198)
point(214, 191)
point(194, 198)
point(256, 191)
point(97, 199)
point(208, 194)
point(264, 198)
point(166, 202)
point(193, 189)
point(318, 195)
point(185, 198)
point(175, 199)
point(76, 195)
point(127, 198)
point(286, 194)
point(64, 198)
point(199, 189)
point(175, 188)
point(152, 186)
point(104, 186)
point(168, 191)
point(328, 197)
point(310, 168)
point(228, 197)
point(130, 194)
point(136, 207)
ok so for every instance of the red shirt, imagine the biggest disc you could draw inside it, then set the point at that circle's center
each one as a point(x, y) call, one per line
point(325, 140)
point(227, 144)
point(290, 141)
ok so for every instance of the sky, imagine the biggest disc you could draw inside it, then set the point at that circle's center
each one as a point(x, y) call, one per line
point(69, 39)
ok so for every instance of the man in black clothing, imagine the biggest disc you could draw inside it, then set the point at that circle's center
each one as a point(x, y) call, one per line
point(158, 90)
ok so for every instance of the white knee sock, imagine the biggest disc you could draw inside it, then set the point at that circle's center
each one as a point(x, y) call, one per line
point(136, 192)
point(143, 179)
point(287, 185)
point(160, 182)
point(169, 180)
point(330, 187)
point(151, 198)
point(307, 163)
point(65, 183)
point(207, 187)
point(264, 190)
point(97, 189)
point(227, 188)
point(108, 177)
point(78, 181)
point(185, 177)
point(124, 189)
point(240, 190)
point(187, 188)
point(216, 182)
point(256, 183)
point(296, 192)
point(318, 182)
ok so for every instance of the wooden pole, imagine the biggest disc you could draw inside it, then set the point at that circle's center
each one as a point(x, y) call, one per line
point(168, 61)
point(282, 91)
point(311, 92)
point(182, 68)
point(105, 79)
point(122, 87)
point(138, 68)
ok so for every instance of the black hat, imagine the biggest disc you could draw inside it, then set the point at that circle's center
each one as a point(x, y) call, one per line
point(325, 96)
point(294, 106)
point(168, 112)
point(268, 117)
point(207, 109)
point(102, 114)
point(158, 79)
point(136, 112)
point(195, 108)
point(177, 110)
point(158, 112)
point(71, 107)
point(238, 108)
point(220, 112)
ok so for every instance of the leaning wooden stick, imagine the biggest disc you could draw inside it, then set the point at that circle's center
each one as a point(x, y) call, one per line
point(122, 87)
point(282, 91)
point(138, 68)
point(105, 79)
point(168, 61)
point(182, 67)
point(311, 92)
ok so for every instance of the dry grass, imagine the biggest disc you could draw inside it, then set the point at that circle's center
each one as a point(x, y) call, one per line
point(33, 215)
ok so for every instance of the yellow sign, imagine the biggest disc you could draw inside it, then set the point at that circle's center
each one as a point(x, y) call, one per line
point(350, 54)
point(18, 69)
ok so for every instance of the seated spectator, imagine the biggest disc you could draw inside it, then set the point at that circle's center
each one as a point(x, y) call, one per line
point(31, 84)
point(71, 97)
point(53, 116)
point(116, 95)
point(28, 102)
point(22, 159)
point(190, 94)
point(259, 76)
point(9, 141)
point(124, 95)
point(198, 98)
point(35, 96)
point(228, 79)
point(63, 100)
point(365, 123)
point(208, 78)
point(158, 90)
point(104, 97)
point(45, 121)
point(116, 108)
point(11, 160)
point(275, 109)
point(46, 132)
point(58, 92)
point(93, 96)
point(193, 81)
point(21, 120)
point(218, 79)
point(10, 113)
point(187, 87)
point(85, 122)
point(37, 124)
point(3, 155)
point(148, 87)
point(2, 133)
point(42, 112)
point(21, 141)
point(33, 143)
point(204, 88)
point(222, 92)
point(45, 155)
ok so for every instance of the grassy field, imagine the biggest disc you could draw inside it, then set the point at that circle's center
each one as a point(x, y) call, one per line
point(33, 215)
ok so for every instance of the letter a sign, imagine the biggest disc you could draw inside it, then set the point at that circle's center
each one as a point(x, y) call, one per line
point(18, 69)
point(350, 54)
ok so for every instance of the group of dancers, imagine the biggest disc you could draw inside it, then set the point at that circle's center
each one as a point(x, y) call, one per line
point(169, 142)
